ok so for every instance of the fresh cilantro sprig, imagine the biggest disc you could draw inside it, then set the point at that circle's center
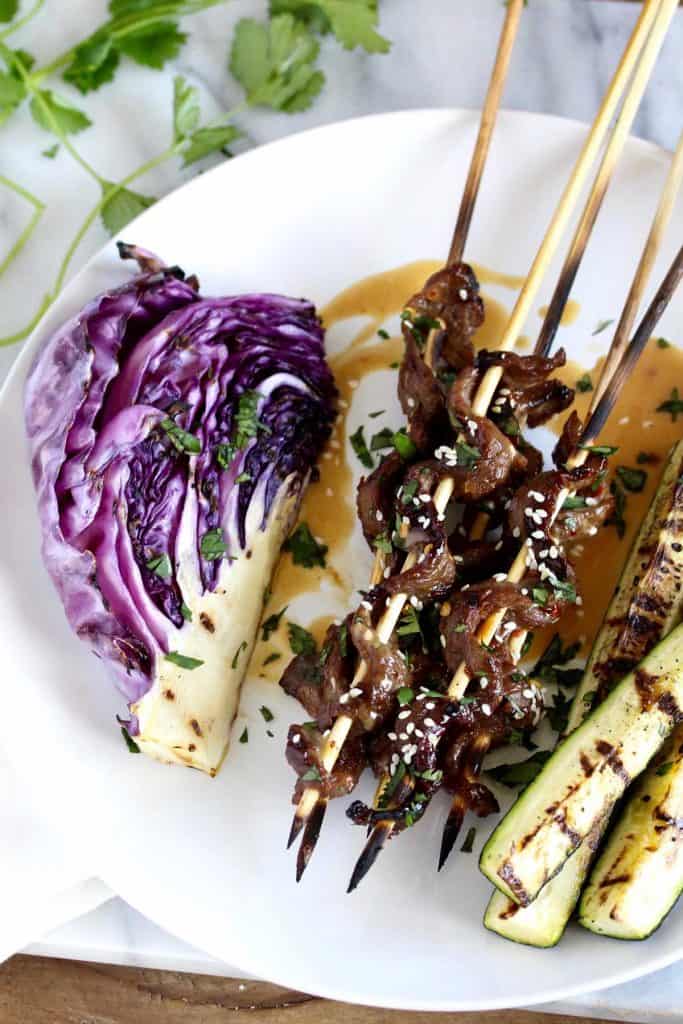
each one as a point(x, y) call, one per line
point(353, 22)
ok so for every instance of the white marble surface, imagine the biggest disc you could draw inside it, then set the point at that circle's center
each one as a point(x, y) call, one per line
point(440, 56)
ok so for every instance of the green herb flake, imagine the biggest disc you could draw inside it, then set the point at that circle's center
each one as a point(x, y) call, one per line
point(599, 449)
point(212, 546)
point(359, 445)
point(312, 775)
point(467, 454)
point(588, 697)
point(469, 841)
point(673, 405)
point(271, 624)
point(634, 480)
point(408, 492)
point(243, 478)
point(376, 413)
point(573, 501)
point(183, 660)
point(382, 440)
point(403, 445)
point(300, 640)
point(185, 612)
point(266, 713)
point(663, 343)
point(274, 656)
point(51, 152)
point(519, 775)
point(180, 438)
point(161, 566)
point(664, 769)
point(383, 544)
point(647, 458)
point(584, 383)
point(242, 647)
point(244, 738)
point(133, 748)
point(405, 695)
point(384, 335)
point(602, 326)
point(304, 548)
point(343, 640)
point(540, 595)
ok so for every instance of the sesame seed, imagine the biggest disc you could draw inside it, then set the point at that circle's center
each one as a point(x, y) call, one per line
point(404, 714)
point(430, 705)
point(528, 693)
point(486, 708)
point(355, 691)
point(554, 553)
point(344, 699)
point(516, 531)
point(463, 294)
point(430, 723)
point(500, 577)
point(296, 740)
point(403, 735)
point(442, 640)
point(624, 420)
point(387, 573)
point(366, 605)
point(379, 515)
point(538, 535)
point(425, 498)
point(419, 733)
point(410, 727)
point(536, 495)
point(411, 403)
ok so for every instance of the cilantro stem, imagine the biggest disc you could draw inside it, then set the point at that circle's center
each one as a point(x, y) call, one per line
point(107, 194)
point(20, 22)
point(38, 209)
point(31, 86)
point(118, 28)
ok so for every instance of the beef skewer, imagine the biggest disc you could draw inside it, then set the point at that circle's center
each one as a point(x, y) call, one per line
point(662, 19)
point(606, 392)
point(340, 730)
point(311, 807)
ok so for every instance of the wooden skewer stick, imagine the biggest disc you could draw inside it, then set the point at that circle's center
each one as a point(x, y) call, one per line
point(486, 126)
point(461, 678)
point(340, 730)
point(643, 47)
point(611, 156)
point(601, 410)
point(487, 388)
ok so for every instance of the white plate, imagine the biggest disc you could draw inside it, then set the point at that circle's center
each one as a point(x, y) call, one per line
point(205, 859)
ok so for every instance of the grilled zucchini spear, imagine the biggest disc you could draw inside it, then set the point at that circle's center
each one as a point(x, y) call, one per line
point(571, 800)
point(646, 604)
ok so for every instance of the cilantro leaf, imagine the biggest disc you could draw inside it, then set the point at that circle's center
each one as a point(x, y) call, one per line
point(8, 9)
point(181, 439)
point(584, 383)
point(404, 445)
point(274, 63)
point(51, 151)
point(673, 405)
point(122, 207)
point(300, 640)
point(353, 22)
point(270, 624)
point(152, 45)
point(161, 566)
point(12, 92)
point(183, 660)
point(94, 63)
point(185, 108)
point(634, 480)
point(304, 548)
point(212, 546)
point(360, 447)
point(133, 748)
point(207, 140)
point(55, 114)
point(523, 772)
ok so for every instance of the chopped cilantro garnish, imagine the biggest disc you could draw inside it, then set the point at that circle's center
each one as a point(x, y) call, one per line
point(242, 647)
point(312, 775)
point(523, 772)
point(212, 545)
point(274, 656)
point(633, 479)
point(376, 413)
point(180, 438)
point(663, 343)
point(405, 695)
point(185, 612)
point(664, 769)
point(673, 405)
point(599, 449)
point(300, 640)
point(133, 748)
point(161, 566)
point(469, 840)
point(304, 548)
point(244, 738)
point(271, 624)
point(266, 713)
point(602, 326)
point(382, 439)
point(359, 445)
point(403, 444)
point(183, 660)
point(584, 383)
point(382, 543)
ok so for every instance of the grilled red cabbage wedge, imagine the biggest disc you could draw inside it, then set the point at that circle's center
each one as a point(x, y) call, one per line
point(646, 605)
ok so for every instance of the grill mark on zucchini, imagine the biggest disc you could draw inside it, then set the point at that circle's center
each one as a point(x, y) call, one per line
point(612, 760)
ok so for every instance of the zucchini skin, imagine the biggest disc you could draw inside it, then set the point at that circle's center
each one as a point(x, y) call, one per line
point(543, 922)
point(639, 875)
point(647, 601)
point(588, 772)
